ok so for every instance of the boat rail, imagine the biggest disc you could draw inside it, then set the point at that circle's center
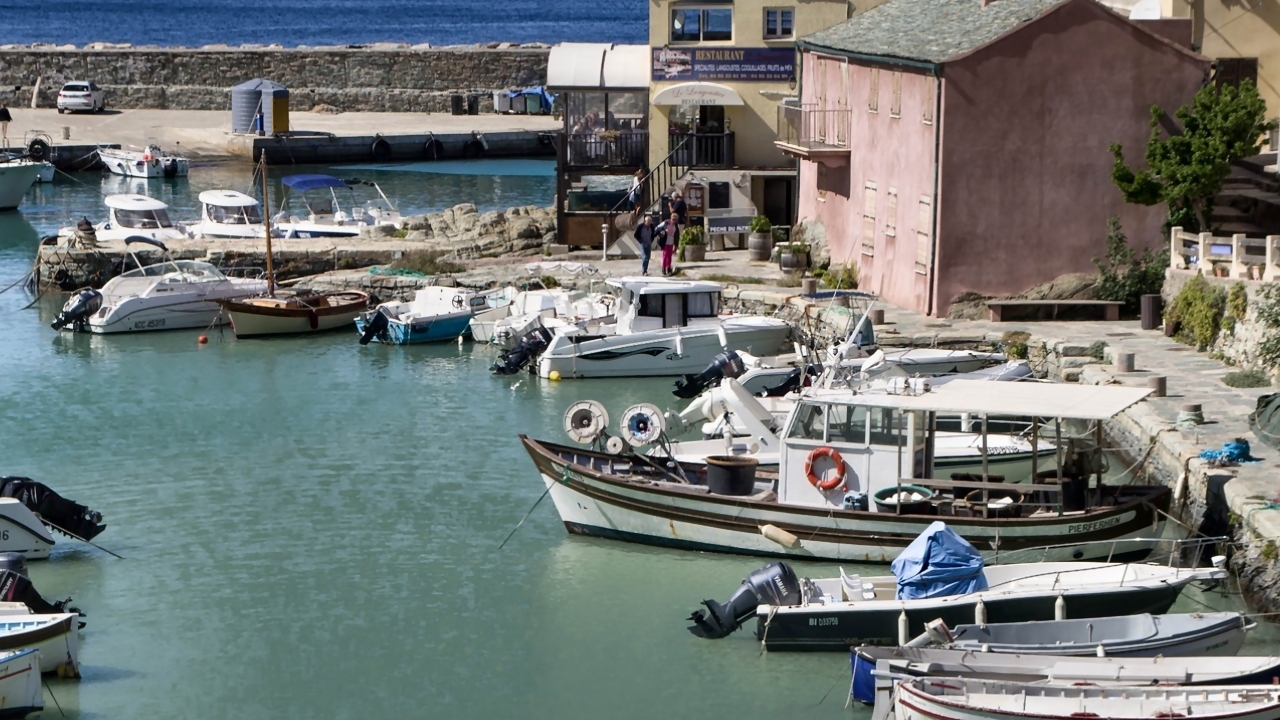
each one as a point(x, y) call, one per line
point(250, 273)
point(1177, 552)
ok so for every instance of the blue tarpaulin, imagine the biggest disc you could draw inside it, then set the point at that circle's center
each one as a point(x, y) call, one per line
point(545, 97)
point(938, 563)
point(863, 687)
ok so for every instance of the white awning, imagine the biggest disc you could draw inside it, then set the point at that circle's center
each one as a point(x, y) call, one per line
point(697, 93)
point(627, 67)
point(980, 397)
point(598, 66)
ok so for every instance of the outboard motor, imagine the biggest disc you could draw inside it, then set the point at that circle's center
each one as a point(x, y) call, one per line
point(793, 381)
point(78, 309)
point(170, 167)
point(724, 365)
point(774, 584)
point(69, 518)
point(375, 324)
point(16, 587)
point(529, 347)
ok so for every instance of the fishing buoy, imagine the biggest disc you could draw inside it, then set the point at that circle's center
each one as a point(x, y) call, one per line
point(554, 375)
point(780, 536)
point(202, 339)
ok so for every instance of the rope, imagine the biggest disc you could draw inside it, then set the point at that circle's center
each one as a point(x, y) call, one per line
point(773, 609)
point(1232, 453)
point(1188, 420)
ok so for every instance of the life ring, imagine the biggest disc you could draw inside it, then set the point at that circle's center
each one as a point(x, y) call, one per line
point(39, 150)
point(146, 156)
point(381, 150)
point(834, 481)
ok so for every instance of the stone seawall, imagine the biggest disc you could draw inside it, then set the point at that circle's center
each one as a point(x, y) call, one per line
point(365, 79)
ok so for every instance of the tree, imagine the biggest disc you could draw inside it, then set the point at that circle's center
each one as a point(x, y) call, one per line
point(1186, 170)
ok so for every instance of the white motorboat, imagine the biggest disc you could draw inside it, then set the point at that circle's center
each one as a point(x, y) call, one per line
point(435, 314)
point(324, 214)
point(16, 178)
point(663, 327)
point(497, 307)
point(149, 162)
point(550, 308)
point(21, 692)
point(228, 214)
point(128, 216)
point(22, 531)
point(763, 374)
point(169, 295)
point(47, 169)
point(56, 637)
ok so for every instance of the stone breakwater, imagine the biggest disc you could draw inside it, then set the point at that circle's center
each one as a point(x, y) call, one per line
point(375, 79)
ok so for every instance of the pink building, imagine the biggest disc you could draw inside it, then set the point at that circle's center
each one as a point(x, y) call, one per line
point(954, 146)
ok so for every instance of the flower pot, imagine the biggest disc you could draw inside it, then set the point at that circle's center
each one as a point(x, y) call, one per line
point(789, 260)
point(759, 246)
point(695, 253)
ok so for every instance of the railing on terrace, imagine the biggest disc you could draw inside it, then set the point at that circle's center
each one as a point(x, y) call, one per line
point(807, 126)
point(702, 150)
point(1239, 256)
point(629, 149)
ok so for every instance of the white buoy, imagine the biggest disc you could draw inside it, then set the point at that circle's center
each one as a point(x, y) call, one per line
point(980, 613)
point(1102, 652)
point(780, 536)
point(679, 344)
point(1060, 608)
point(903, 628)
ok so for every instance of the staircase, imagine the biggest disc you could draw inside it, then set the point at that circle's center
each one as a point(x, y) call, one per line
point(660, 179)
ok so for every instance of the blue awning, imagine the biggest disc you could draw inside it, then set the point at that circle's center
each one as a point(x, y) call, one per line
point(312, 182)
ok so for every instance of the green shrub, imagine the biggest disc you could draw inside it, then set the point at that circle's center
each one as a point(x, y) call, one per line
point(1198, 312)
point(549, 282)
point(1015, 344)
point(1267, 313)
point(1125, 276)
point(841, 277)
point(400, 232)
point(760, 224)
point(691, 235)
point(1246, 379)
point(1238, 301)
point(427, 262)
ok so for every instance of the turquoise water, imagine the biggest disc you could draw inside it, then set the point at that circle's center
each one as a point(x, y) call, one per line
point(311, 529)
point(503, 168)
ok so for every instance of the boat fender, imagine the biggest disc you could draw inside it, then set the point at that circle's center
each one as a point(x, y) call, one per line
point(39, 150)
point(980, 613)
point(146, 156)
point(904, 628)
point(313, 319)
point(381, 150)
point(433, 150)
point(833, 482)
point(780, 536)
point(1060, 608)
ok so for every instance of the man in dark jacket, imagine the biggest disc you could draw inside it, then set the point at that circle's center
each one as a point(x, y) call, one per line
point(644, 235)
point(679, 207)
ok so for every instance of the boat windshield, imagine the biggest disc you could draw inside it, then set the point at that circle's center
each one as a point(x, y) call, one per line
point(181, 270)
point(144, 219)
point(236, 215)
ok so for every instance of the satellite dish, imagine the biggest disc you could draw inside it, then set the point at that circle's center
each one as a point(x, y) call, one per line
point(585, 421)
point(642, 424)
point(615, 445)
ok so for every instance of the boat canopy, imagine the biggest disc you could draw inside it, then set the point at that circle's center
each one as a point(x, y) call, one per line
point(312, 182)
point(663, 286)
point(133, 202)
point(227, 198)
point(975, 397)
point(938, 563)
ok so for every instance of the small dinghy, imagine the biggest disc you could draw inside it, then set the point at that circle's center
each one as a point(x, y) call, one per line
point(57, 637)
point(436, 314)
point(1143, 635)
point(953, 699)
point(20, 690)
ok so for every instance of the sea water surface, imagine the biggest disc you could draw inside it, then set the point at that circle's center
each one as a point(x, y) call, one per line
point(312, 529)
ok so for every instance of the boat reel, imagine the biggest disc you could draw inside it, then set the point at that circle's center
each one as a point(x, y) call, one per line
point(586, 421)
point(642, 424)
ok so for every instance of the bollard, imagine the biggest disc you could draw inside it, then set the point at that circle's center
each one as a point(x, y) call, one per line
point(1150, 306)
point(66, 132)
point(808, 286)
point(1157, 385)
point(877, 316)
point(1124, 362)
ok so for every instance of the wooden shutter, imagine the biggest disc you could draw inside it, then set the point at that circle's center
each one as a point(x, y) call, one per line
point(869, 219)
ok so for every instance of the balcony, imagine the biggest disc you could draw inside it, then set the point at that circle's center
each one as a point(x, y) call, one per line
point(609, 149)
point(810, 133)
point(702, 151)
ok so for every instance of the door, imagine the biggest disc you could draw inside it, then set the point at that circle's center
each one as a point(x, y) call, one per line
point(672, 310)
point(778, 200)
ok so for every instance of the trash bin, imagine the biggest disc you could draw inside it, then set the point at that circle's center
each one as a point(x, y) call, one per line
point(1152, 305)
point(501, 101)
point(473, 104)
point(456, 105)
point(533, 104)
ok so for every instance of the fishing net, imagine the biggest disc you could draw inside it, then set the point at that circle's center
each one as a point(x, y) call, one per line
point(1265, 420)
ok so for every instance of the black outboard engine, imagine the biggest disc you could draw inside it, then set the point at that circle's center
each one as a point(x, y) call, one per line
point(375, 324)
point(529, 347)
point(78, 309)
point(793, 381)
point(774, 584)
point(724, 365)
point(16, 587)
point(59, 513)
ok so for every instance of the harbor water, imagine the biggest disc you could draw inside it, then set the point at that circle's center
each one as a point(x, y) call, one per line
point(311, 528)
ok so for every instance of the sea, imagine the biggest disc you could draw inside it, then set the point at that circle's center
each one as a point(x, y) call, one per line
point(193, 23)
point(315, 529)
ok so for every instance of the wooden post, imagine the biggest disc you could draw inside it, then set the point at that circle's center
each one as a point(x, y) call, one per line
point(1057, 454)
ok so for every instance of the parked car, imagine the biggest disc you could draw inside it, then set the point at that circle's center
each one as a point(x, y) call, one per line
point(80, 95)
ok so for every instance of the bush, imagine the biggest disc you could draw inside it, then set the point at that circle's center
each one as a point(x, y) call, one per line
point(1198, 312)
point(1267, 313)
point(1126, 276)
point(549, 282)
point(760, 224)
point(1246, 379)
point(1015, 344)
point(691, 236)
point(842, 277)
point(427, 262)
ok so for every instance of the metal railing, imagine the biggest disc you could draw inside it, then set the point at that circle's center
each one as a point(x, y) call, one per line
point(1182, 552)
point(807, 126)
point(621, 217)
point(611, 149)
point(1244, 258)
point(702, 150)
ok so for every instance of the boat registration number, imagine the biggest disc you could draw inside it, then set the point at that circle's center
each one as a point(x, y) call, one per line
point(148, 324)
point(823, 622)
point(1098, 524)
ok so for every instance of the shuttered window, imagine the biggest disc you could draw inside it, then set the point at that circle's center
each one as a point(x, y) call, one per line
point(895, 106)
point(869, 219)
point(924, 243)
point(891, 213)
point(873, 100)
point(930, 99)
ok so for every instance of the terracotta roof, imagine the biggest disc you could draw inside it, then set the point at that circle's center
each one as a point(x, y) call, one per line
point(927, 30)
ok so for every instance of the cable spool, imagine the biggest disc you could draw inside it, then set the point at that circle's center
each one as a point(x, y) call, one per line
point(614, 446)
point(642, 424)
point(585, 421)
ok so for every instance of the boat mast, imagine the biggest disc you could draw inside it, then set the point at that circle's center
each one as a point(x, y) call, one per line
point(266, 222)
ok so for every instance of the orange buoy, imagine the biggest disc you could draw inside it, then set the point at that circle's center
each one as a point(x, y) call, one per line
point(202, 339)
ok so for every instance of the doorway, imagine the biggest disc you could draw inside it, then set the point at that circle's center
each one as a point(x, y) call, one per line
point(778, 202)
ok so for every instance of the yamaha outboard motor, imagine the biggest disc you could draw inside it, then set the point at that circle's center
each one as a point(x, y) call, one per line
point(78, 309)
point(375, 324)
point(15, 587)
point(724, 365)
point(793, 381)
point(774, 584)
point(59, 513)
point(529, 347)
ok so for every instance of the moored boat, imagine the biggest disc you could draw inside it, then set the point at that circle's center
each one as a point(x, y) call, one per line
point(16, 178)
point(228, 214)
point(149, 162)
point(324, 216)
point(435, 314)
point(129, 215)
point(1139, 635)
point(56, 637)
point(21, 692)
point(292, 312)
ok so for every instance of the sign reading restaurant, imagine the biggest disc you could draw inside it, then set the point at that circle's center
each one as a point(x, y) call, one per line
point(742, 64)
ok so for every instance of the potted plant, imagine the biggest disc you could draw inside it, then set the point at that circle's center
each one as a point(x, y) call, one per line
point(760, 241)
point(693, 246)
point(793, 256)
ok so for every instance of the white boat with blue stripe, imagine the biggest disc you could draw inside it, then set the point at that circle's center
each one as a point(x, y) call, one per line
point(435, 314)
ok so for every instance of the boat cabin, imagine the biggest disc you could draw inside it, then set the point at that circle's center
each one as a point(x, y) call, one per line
point(319, 194)
point(655, 303)
point(136, 212)
point(228, 207)
point(874, 449)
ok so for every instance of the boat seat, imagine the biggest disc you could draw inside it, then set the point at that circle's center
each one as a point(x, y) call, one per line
point(852, 588)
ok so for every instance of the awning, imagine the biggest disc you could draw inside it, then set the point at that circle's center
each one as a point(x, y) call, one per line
point(697, 93)
point(598, 66)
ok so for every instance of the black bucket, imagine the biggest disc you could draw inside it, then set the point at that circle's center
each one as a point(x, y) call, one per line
point(728, 475)
point(924, 506)
point(977, 508)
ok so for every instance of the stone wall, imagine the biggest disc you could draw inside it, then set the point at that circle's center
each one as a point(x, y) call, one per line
point(400, 79)
point(1237, 342)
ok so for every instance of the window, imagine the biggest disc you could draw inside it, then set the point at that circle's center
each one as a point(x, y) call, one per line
point(885, 427)
point(650, 306)
point(778, 23)
point(692, 24)
point(895, 106)
point(703, 305)
point(869, 219)
point(809, 422)
point(891, 213)
point(144, 219)
point(931, 87)
point(847, 423)
point(1233, 71)
point(924, 226)
point(873, 101)
point(240, 215)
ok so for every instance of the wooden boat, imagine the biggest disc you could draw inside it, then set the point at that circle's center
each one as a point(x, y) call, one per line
point(57, 637)
point(1141, 635)
point(294, 312)
point(20, 690)
point(958, 699)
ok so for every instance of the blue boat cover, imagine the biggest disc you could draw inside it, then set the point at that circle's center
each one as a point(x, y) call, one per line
point(546, 99)
point(863, 687)
point(938, 563)
point(312, 182)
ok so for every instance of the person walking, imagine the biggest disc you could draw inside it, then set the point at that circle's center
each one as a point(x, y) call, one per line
point(669, 236)
point(645, 234)
point(679, 207)
point(5, 119)
point(637, 189)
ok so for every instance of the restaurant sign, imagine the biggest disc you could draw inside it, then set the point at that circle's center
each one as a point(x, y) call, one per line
point(729, 225)
point(741, 64)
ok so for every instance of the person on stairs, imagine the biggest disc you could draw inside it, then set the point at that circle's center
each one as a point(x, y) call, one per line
point(645, 234)
point(669, 236)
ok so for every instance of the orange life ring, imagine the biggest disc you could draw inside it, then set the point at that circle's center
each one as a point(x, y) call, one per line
point(831, 483)
point(146, 157)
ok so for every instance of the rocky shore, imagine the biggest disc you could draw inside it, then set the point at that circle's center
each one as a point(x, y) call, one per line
point(463, 232)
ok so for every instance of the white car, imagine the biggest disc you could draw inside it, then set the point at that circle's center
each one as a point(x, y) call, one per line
point(82, 96)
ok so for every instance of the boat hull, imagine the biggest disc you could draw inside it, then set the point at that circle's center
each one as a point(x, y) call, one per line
point(195, 309)
point(57, 637)
point(21, 692)
point(247, 324)
point(129, 164)
point(22, 532)
point(441, 328)
point(658, 353)
point(16, 178)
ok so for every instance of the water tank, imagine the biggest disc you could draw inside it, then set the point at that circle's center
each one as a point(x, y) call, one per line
point(259, 106)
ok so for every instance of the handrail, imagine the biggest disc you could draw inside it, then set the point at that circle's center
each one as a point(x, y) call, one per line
point(1246, 258)
point(1179, 545)
point(657, 179)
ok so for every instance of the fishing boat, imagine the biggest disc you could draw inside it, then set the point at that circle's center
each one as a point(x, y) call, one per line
point(324, 216)
point(435, 314)
point(228, 214)
point(56, 637)
point(961, 699)
point(857, 479)
point(1139, 635)
point(149, 162)
point(128, 216)
point(549, 308)
point(21, 692)
point(939, 577)
point(16, 178)
point(169, 295)
point(662, 327)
